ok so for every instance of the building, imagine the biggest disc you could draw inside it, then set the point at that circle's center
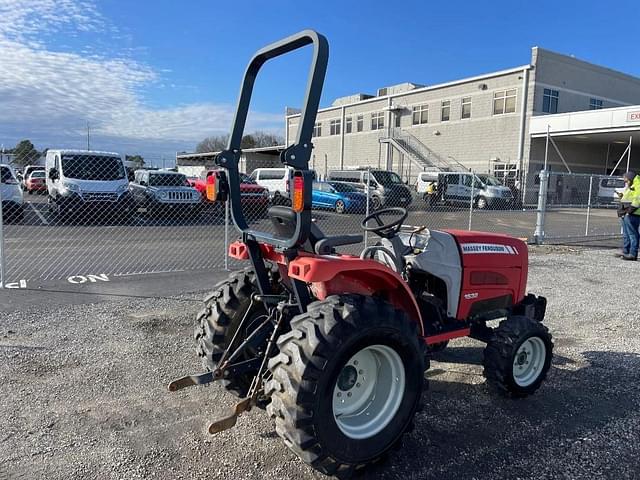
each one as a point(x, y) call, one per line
point(494, 123)
point(482, 123)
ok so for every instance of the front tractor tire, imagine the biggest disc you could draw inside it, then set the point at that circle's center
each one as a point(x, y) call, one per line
point(518, 356)
point(220, 318)
point(346, 383)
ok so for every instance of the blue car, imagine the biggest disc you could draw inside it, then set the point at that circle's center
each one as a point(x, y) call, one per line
point(338, 196)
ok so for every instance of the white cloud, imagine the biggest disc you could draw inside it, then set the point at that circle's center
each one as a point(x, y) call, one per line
point(52, 95)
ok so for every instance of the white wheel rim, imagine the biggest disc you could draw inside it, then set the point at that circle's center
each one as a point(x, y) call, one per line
point(368, 391)
point(528, 362)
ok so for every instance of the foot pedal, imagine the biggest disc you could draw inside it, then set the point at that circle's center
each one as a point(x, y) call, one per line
point(191, 380)
point(229, 421)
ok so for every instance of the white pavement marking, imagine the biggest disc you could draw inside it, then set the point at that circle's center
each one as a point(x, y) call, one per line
point(40, 216)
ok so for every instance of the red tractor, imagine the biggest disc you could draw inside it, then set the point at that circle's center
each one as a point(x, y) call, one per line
point(336, 346)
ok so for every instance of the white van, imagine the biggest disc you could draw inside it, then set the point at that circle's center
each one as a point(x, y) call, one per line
point(424, 180)
point(488, 191)
point(11, 194)
point(81, 179)
point(610, 190)
point(276, 180)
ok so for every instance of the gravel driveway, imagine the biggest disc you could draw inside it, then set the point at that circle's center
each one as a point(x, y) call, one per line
point(83, 394)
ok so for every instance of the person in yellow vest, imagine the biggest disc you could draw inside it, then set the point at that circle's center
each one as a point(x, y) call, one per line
point(630, 212)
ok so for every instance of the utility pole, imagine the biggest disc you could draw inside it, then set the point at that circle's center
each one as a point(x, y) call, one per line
point(88, 143)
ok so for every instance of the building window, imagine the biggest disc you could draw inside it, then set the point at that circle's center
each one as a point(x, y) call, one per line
point(359, 123)
point(398, 118)
point(445, 111)
point(377, 121)
point(348, 124)
point(504, 101)
point(595, 104)
point(420, 114)
point(550, 101)
point(334, 127)
point(466, 107)
point(317, 129)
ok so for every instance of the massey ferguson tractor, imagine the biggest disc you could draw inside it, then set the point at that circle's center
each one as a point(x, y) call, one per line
point(335, 346)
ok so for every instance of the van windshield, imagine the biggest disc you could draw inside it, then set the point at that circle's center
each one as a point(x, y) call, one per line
point(167, 180)
point(92, 167)
point(612, 183)
point(491, 181)
point(387, 178)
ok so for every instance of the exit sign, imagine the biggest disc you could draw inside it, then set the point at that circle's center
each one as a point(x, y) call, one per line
point(633, 117)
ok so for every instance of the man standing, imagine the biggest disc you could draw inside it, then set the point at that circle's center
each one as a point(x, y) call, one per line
point(631, 222)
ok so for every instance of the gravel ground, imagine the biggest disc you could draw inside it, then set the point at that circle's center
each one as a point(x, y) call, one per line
point(83, 394)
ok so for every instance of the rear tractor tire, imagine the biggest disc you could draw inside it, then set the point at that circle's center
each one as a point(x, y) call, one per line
point(346, 383)
point(218, 321)
point(518, 356)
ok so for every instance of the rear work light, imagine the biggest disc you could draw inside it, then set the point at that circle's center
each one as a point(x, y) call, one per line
point(297, 196)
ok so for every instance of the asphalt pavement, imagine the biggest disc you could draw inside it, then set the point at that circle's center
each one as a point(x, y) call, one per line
point(44, 251)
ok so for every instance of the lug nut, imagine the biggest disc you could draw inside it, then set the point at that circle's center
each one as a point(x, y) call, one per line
point(357, 385)
point(349, 394)
point(339, 394)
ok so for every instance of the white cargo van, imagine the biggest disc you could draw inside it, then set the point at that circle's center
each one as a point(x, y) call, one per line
point(424, 180)
point(487, 191)
point(82, 179)
point(610, 190)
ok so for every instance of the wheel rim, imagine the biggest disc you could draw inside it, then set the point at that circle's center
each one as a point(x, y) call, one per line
point(368, 391)
point(529, 361)
point(339, 206)
point(482, 203)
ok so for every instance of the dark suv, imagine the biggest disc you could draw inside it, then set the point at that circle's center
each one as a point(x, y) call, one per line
point(160, 191)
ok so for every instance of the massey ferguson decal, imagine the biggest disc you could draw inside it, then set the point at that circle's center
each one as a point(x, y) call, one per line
point(488, 248)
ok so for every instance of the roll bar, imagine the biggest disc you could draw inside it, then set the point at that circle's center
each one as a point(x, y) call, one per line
point(296, 155)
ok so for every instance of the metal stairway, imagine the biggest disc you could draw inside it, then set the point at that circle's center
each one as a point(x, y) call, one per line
point(421, 155)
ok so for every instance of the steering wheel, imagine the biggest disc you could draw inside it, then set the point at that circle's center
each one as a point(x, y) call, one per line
point(385, 230)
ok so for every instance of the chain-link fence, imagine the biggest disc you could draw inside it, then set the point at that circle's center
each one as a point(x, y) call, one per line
point(581, 207)
point(83, 217)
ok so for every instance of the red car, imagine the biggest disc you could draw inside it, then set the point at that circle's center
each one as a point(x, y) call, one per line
point(36, 182)
point(255, 199)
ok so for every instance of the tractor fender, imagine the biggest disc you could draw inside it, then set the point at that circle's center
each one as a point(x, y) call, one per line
point(330, 275)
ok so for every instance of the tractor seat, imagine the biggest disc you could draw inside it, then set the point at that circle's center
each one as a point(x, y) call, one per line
point(284, 223)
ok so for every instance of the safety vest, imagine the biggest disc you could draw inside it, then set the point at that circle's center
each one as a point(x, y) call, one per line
point(635, 197)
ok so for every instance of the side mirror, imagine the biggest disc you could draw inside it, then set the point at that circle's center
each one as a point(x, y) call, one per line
point(53, 174)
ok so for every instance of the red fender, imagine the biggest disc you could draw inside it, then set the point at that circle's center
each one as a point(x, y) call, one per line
point(333, 275)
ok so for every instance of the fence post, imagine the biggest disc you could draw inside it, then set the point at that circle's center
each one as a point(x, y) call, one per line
point(542, 207)
point(226, 235)
point(586, 228)
point(473, 181)
point(2, 269)
point(366, 213)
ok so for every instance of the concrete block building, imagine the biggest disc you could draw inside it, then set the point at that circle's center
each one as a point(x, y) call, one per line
point(480, 123)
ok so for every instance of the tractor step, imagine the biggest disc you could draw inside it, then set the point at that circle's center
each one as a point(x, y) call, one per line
point(230, 420)
point(191, 380)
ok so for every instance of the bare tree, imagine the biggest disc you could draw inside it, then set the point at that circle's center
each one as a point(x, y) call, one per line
point(256, 139)
point(213, 144)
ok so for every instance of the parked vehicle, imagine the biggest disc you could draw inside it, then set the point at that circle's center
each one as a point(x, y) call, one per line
point(610, 190)
point(36, 182)
point(27, 171)
point(424, 180)
point(385, 188)
point(164, 192)
point(456, 188)
point(276, 181)
point(255, 198)
point(11, 194)
point(87, 181)
point(338, 196)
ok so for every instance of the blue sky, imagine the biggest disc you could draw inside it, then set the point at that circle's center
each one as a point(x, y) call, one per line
point(153, 77)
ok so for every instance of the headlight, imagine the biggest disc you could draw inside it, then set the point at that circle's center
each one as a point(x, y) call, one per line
point(72, 187)
point(122, 188)
point(162, 195)
point(265, 193)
